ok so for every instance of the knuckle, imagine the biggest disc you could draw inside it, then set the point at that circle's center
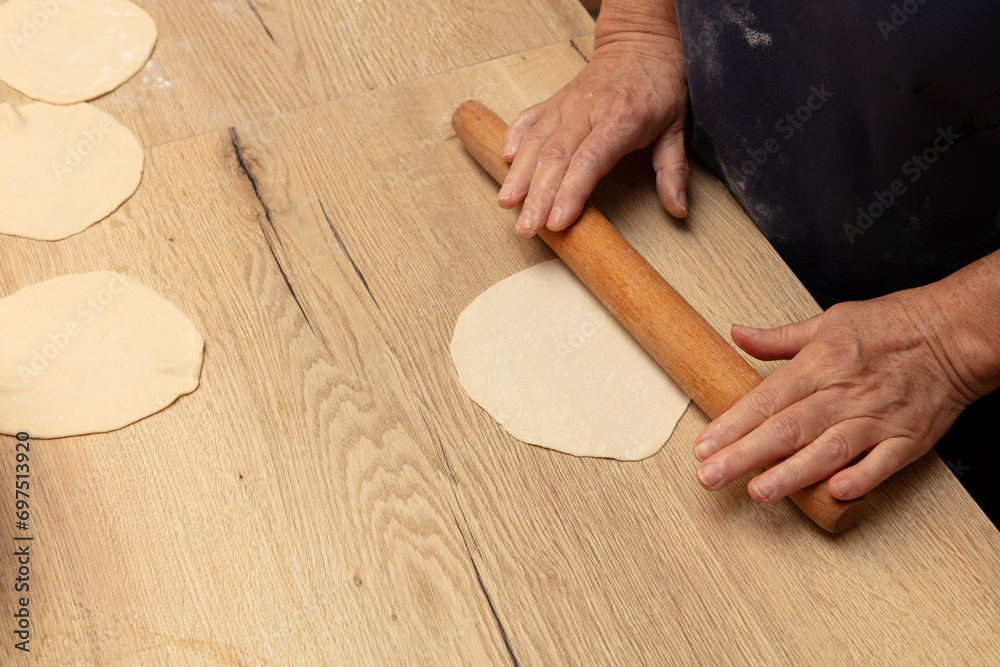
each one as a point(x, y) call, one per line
point(840, 312)
point(786, 333)
point(863, 480)
point(836, 310)
point(518, 179)
point(762, 402)
point(672, 166)
point(738, 462)
point(575, 102)
point(625, 111)
point(535, 136)
point(783, 477)
point(624, 126)
point(519, 127)
point(835, 450)
point(540, 130)
point(590, 158)
point(787, 430)
point(553, 153)
point(892, 460)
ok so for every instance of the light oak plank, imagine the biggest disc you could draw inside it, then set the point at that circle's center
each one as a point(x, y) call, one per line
point(223, 62)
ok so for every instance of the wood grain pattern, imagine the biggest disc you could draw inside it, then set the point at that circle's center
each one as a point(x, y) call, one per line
point(331, 496)
point(223, 62)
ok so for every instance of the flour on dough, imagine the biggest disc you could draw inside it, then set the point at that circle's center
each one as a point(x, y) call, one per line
point(545, 359)
point(63, 168)
point(66, 51)
point(91, 353)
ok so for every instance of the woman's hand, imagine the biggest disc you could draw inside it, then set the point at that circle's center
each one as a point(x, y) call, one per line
point(632, 94)
point(891, 375)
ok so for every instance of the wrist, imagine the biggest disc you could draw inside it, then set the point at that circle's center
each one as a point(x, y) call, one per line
point(962, 312)
point(645, 32)
point(652, 21)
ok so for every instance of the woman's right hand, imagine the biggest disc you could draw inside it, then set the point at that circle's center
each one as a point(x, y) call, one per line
point(632, 94)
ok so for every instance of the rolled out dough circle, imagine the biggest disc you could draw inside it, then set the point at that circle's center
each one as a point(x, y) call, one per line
point(66, 51)
point(546, 360)
point(63, 168)
point(91, 353)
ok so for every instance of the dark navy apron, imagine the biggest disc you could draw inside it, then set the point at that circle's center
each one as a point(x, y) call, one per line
point(863, 139)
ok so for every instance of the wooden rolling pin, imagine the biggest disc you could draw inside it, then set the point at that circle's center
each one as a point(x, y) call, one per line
point(705, 366)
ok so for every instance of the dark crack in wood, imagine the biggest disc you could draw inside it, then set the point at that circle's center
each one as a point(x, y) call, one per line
point(475, 568)
point(439, 446)
point(262, 24)
point(576, 48)
point(486, 594)
point(241, 160)
point(284, 276)
point(343, 247)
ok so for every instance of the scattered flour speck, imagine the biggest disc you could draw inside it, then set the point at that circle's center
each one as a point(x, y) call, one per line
point(743, 17)
point(756, 38)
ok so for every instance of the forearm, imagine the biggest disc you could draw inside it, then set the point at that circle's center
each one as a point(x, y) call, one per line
point(656, 18)
point(963, 317)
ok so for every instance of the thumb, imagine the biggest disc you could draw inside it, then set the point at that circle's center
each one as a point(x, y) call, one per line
point(782, 342)
point(671, 166)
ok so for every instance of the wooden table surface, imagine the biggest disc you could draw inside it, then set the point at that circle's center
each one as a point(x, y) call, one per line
point(330, 495)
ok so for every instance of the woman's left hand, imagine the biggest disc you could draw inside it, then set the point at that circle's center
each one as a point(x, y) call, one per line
point(863, 375)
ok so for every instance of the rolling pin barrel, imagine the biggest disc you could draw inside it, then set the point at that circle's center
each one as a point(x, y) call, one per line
point(702, 363)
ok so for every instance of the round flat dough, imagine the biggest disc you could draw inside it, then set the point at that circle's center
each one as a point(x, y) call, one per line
point(66, 51)
point(545, 359)
point(91, 353)
point(63, 168)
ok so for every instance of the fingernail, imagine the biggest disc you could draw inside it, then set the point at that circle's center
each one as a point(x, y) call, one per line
point(505, 192)
point(764, 488)
point(843, 487)
point(525, 222)
point(711, 474)
point(682, 199)
point(704, 449)
point(508, 152)
point(555, 218)
point(749, 330)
